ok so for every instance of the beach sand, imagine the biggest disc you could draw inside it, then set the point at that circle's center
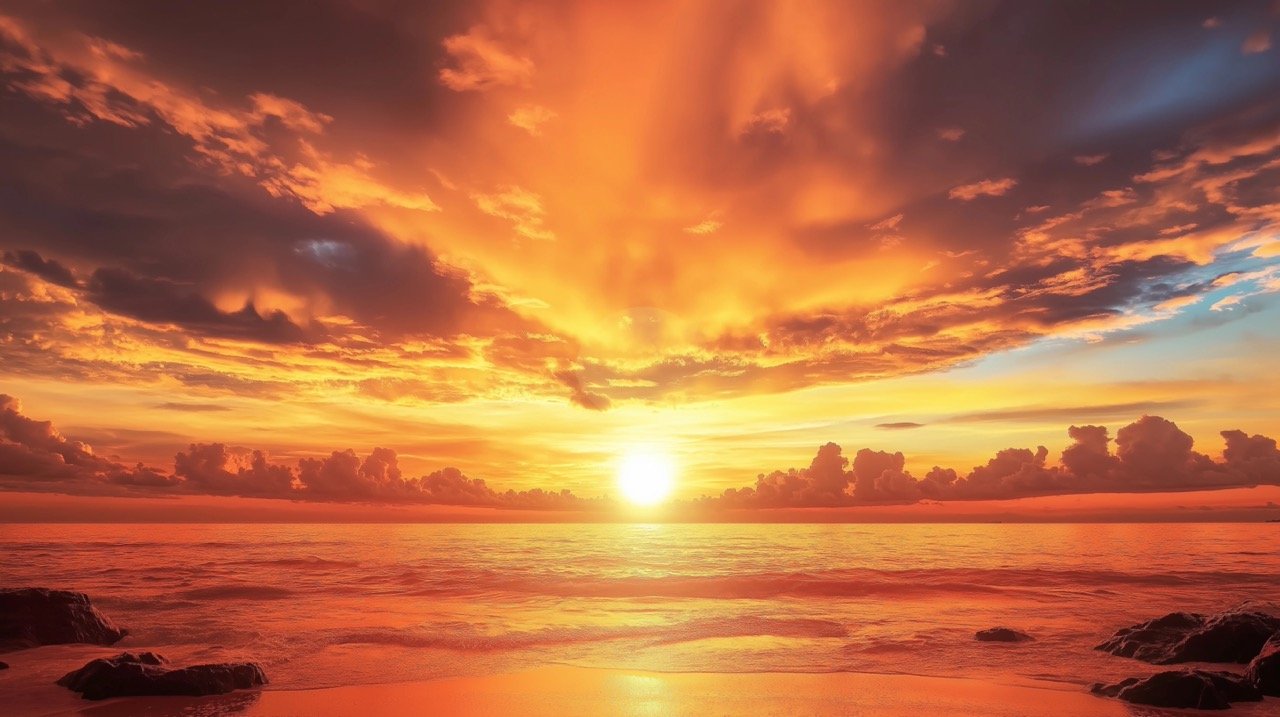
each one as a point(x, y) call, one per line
point(569, 691)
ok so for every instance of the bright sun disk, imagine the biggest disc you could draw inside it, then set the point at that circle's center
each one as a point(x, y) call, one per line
point(646, 477)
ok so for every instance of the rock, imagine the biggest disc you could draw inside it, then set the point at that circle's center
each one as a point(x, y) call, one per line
point(1264, 670)
point(4, 665)
point(1199, 689)
point(30, 617)
point(1150, 640)
point(147, 673)
point(1002, 634)
point(1227, 637)
point(1232, 636)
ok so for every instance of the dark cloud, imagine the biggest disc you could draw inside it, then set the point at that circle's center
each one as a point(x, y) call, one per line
point(48, 269)
point(35, 451)
point(161, 301)
point(164, 244)
point(212, 468)
point(1154, 451)
point(1090, 456)
point(899, 425)
point(578, 393)
point(1253, 456)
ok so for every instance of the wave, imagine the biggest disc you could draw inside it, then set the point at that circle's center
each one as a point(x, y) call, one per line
point(844, 583)
point(309, 561)
point(238, 592)
point(465, 637)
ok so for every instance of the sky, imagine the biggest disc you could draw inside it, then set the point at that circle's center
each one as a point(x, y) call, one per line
point(476, 253)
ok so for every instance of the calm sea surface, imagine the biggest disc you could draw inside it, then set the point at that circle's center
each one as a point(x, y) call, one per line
point(324, 605)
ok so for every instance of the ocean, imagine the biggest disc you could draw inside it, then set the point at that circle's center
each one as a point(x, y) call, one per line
point(329, 605)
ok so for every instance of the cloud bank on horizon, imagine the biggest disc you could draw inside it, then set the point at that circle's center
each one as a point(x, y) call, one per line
point(445, 208)
point(1152, 454)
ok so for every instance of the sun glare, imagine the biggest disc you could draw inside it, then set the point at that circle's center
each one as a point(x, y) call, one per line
point(646, 476)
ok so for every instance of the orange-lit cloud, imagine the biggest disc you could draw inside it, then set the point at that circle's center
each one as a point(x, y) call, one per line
point(513, 212)
point(983, 188)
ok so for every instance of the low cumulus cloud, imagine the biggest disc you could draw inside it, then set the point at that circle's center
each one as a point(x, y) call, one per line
point(36, 456)
point(1151, 454)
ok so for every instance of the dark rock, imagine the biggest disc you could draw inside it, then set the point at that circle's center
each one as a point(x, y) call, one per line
point(1236, 687)
point(30, 617)
point(1233, 636)
point(1150, 640)
point(4, 665)
point(1199, 689)
point(1264, 670)
point(146, 673)
point(1228, 637)
point(1002, 634)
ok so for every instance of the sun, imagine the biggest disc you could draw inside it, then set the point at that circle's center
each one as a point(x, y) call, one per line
point(646, 476)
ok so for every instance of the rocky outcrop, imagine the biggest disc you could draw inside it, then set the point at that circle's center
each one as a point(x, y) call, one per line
point(1264, 670)
point(1233, 636)
point(1002, 634)
point(30, 617)
point(147, 673)
point(1197, 689)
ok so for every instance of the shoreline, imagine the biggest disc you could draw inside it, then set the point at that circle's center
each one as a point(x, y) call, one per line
point(568, 691)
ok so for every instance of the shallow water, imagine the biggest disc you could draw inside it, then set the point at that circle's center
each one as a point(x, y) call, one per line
point(327, 605)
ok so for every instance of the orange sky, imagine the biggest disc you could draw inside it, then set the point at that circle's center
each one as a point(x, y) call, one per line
point(521, 239)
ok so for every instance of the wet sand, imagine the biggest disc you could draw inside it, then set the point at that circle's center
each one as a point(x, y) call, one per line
point(568, 691)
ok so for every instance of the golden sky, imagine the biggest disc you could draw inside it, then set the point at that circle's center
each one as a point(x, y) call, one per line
point(520, 239)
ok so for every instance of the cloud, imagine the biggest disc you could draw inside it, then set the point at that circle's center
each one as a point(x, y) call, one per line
point(213, 469)
point(1257, 43)
point(710, 225)
point(34, 451)
point(530, 118)
point(48, 269)
point(93, 80)
point(482, 63)
point(164, 302)
point(824, 482)
point(33, 454)
point(1255, 457)
point(579, 395)
point(1090, 456)
point(191, 407)
point(1152, 454)
point(325, 235)
point(766, 125)
point(890, 224)
point(899, 425)
point(1154, 450)
point(1089, 160)
point(1042, 413)
point(37, 448)
point(521, 207)
point(984, 188)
